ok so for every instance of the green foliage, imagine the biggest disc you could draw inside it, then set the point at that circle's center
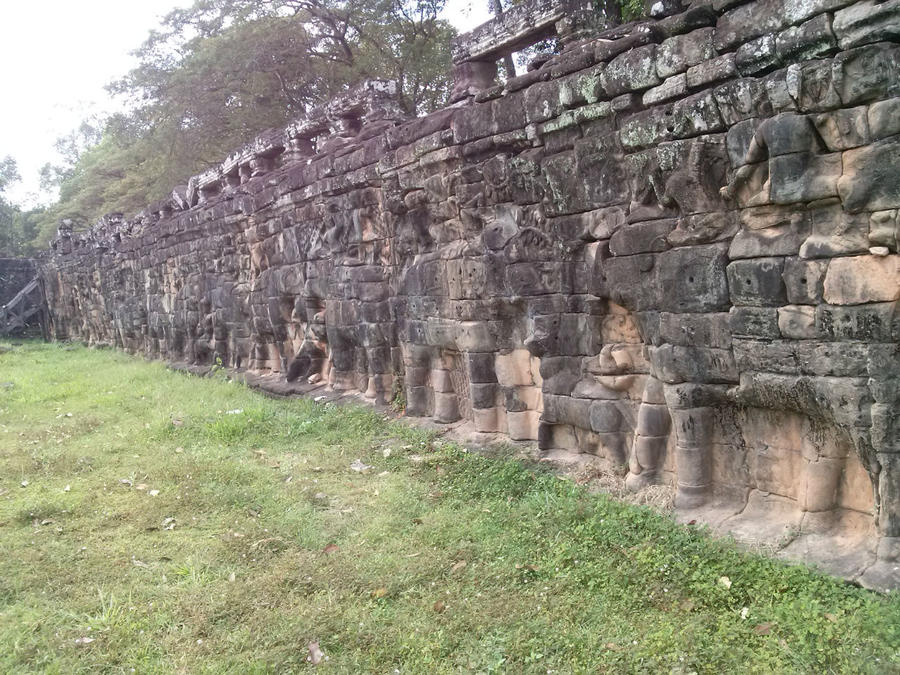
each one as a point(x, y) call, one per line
point(215, 74)
point(433, 560)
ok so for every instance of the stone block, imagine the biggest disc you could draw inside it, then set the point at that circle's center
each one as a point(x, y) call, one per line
point(812, 86)
point(441, 381)
point(755, 322)
point(483, 395)
point(775, 356)
point(514, 368)
point(542, 102)
point(568, 410)
point(629, 281)
point(867, 22)
point(480, 368)
point(862, 279)
point(672, 88)
point(696, 115)
point(742, 99)
point(757, 56)
point(844, 129)
point(711, 71)
point(689, 330)
point(834, 232)
point(606, 416)
point(884, 229)
point(645, 237)
point(867, 74)
point(811, 39)
point(653, 420)
point(757, 282)
point(784, 237)
point(797, 322)
point(804, 177)
point(646, 128)
point(523, 426)
point(804, 281)
point(692, 279)
point(884, 118)
point(737, 141)
point(870, 181)
point(789, 133)
point(490, 420)
point(559, 374)
point(634, 70)
point(875, 322)
point(676, 54)
point(674, 364)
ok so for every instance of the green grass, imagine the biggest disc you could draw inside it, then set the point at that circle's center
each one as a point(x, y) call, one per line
point(446, 561)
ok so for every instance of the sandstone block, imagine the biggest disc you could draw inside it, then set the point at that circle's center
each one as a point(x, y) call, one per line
point(641, 237)
point(696, 115)
point(870, 181)
point(483, 395)
point(884, 229)
point(804, 281)
point(797, 322)
point(834, 232)
point(804, 177)
point(809, 40)
point(867, 74)
point(672, 88)
point(757, 282)
point(758, 322)
point(876, 322)
point(632, 71)
point(514, 368)
point(757, 56)
point(523, 426)
point(606, 416)
point(692, 279)
point(867, 22)
point(714, 70)
point(676, 54)
point(490, 420)
point(688, 330)
point(884, 118)
point(742, 100)
point(862, 279)
point(673, 364)
point(843, 129)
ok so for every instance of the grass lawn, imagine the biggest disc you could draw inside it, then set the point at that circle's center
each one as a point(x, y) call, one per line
point(155, 522)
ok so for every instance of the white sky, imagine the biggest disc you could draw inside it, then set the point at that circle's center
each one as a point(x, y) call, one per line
point(57, 55)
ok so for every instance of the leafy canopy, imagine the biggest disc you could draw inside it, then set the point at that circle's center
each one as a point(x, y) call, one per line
point(212, 76)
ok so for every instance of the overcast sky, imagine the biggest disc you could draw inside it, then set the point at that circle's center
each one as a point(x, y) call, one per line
point(57, 55)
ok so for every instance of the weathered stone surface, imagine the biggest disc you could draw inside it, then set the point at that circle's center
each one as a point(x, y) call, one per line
point(591, 255)
point(869, 181)
point(757, 282)
point(809, 40)
point(757, 56)
point(861, 279)
point(867, 22)
point(632, 71)
point(884, 118)
point(679, 53)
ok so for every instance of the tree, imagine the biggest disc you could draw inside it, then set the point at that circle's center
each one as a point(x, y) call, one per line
point(214, 75)
point(9, 236)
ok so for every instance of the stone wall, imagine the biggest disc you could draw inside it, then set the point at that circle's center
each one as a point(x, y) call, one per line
point(671, 247)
